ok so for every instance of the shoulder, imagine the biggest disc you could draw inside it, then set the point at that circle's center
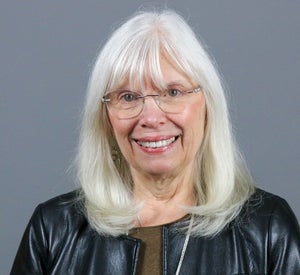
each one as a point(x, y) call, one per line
point(64, 204)
point(267, 224)
point(273, 223)
point(60, 215)
point(52, 227)
point(266, 205)
point(268, 218)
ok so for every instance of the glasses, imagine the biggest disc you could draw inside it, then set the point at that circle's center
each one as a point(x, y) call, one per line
point(128, 104)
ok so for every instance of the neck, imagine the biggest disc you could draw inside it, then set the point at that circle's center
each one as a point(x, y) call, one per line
point(162, 198)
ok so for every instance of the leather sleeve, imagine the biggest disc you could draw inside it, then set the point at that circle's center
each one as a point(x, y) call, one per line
point(32, 253)
point(284, 241)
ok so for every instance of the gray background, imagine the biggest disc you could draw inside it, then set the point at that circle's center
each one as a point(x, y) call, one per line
point(47, 49)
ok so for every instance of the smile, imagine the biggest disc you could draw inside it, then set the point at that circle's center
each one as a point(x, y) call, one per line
point(157, 144)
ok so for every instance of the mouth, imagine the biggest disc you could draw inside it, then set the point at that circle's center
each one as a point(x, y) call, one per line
point(157, 144)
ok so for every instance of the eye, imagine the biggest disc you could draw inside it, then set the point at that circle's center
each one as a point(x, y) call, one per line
point(127, 96)
point(173, 92)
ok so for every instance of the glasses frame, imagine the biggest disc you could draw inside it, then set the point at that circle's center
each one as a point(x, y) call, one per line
point(107, 100)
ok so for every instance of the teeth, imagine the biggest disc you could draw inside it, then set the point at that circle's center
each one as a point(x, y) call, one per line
point(156, 144)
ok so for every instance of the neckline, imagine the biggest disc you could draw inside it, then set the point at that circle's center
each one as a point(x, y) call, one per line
point(153, 227)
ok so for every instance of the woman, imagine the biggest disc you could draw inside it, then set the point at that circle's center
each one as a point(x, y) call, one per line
point(163, 188)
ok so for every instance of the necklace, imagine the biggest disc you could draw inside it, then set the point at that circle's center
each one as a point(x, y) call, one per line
point(185, 244)
point(186, 241)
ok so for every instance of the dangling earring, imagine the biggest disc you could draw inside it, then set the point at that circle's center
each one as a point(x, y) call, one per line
point(116, 155)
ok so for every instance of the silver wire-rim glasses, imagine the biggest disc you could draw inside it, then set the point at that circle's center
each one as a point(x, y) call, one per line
point(128, 104)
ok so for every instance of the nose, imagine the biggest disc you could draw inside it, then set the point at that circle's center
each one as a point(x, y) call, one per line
point(151, 114)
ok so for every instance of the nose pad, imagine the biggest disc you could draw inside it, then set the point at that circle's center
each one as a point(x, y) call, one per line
point(151, 115)
point(155, 98)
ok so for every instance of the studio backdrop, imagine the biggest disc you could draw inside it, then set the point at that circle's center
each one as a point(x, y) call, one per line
point(48, 48)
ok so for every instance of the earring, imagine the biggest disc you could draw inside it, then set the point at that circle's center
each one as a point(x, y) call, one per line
point(115, 153)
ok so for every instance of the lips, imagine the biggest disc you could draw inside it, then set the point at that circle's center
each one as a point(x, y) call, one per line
point(156, 144)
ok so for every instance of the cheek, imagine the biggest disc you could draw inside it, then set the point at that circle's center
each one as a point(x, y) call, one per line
point(121, 130)
point(195, 124)
point(118, 127)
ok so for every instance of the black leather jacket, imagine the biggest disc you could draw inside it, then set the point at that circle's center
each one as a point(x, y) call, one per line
point(264, 239)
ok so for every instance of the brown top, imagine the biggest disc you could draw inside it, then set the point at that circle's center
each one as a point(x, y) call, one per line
point(150, 256)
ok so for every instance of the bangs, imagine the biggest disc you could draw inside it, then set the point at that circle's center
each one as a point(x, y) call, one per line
point(138, 61)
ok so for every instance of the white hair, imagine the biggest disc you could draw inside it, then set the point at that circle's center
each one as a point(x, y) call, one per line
point(222, 182)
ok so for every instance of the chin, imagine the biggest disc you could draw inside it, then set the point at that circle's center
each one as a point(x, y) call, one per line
point(158, 170)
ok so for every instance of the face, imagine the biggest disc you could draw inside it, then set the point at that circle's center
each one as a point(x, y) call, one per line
point(156, 143)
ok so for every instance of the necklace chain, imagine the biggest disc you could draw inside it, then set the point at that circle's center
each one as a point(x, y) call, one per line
point(185, 244)
point(186, 241)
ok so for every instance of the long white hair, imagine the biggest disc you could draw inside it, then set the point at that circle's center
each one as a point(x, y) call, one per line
point(222, 182)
